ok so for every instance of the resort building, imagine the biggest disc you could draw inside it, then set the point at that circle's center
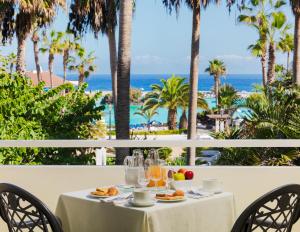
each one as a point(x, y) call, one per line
point(45, 77)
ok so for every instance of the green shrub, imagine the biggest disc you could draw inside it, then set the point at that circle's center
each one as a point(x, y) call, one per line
point(110, 161)
point(28, 112)
point(164, 153)
point(178, 161)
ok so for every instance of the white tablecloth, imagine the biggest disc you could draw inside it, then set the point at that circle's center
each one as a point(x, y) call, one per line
point(79, 213)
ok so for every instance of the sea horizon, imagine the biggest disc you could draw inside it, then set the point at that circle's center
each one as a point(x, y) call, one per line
point(102, 82)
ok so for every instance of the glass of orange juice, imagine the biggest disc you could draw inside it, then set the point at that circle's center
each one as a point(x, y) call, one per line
point(155, 174)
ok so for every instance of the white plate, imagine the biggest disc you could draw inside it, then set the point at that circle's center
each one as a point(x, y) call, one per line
point(142, 204)
point(97, 196)
point(175, 200)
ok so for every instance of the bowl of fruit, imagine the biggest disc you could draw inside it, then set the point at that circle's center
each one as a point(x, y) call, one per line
point(182, 179)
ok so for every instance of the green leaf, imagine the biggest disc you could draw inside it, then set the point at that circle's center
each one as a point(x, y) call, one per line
point(279, 4)
point(255, 2)
point(279, 19)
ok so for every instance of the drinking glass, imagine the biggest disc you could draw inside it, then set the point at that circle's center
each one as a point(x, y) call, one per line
point(138, 158)
point(143, 177)
point(168, 177)
point(156, 174)
point(153, 155)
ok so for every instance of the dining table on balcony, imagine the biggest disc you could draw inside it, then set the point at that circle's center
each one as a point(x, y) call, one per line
point(79, 212)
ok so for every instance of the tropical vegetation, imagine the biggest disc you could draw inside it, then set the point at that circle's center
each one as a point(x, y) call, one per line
point(274, 115)
point(29, 112)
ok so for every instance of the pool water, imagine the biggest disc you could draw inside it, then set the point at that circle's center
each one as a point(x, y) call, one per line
point(160, 117)
point(163, 114)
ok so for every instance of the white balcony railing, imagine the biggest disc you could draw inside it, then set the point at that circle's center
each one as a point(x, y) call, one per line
point(151, 143)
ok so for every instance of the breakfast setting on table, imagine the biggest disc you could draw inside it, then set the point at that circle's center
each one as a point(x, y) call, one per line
point(154, 197)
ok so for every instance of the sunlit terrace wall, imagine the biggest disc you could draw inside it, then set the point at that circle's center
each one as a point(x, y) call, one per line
point(48, 182)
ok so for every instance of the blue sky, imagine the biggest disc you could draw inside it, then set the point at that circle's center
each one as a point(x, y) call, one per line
point(161, 42)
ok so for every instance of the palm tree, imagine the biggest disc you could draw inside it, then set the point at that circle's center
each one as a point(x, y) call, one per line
point(35, 40)
point(216, 69)
point(228, 97)
point(295, 5)
point(85, 66)
point(99, 16)
point(286, 45)
point(277, 26)
point(266, 18)
point(22, 17)
point(184, 103)
point(124, 61)
point(53, 47)
point(68, 45)
point(170, 95)
point(195, 5)
point(201, 103)
point(259, 17)
point(147, 114)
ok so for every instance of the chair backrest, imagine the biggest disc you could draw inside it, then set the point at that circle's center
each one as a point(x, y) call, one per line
point(276, 211)
point(24, 212)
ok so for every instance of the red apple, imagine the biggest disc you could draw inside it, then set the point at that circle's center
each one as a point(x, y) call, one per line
point(189, 175)
point(182, 170)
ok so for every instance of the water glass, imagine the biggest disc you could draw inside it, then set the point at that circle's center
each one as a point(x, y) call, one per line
point(143, 177)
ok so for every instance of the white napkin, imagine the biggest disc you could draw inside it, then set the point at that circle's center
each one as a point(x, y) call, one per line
point(117, 199)
point(198, 193)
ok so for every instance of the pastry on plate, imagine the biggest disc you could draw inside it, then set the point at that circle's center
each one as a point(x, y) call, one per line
point(97, 193)
point(177, 195)
point(111, 191)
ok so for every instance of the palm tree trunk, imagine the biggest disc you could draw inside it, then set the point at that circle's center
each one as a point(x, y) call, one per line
point(183, 122)
point(111, 34)
point(288, 62)
point(20, 65)
point(113, 64)
point(35, 40)
point(296, 64)
point(50, 65)
point(263, 60)
point(65, 62)
point(217, 90)
point(81, 79)
point(271, 63)
point(172, 119)
point(194, 72)
point(124, 60)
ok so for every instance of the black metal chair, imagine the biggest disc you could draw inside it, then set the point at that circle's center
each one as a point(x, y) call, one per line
point(276, 211)
point(24, 212)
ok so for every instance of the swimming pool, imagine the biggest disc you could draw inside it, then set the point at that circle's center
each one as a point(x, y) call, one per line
point(160, 117)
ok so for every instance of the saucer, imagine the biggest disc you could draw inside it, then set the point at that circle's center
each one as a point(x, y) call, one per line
point(142, 204)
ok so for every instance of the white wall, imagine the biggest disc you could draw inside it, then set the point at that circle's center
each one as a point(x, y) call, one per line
point(48, 182)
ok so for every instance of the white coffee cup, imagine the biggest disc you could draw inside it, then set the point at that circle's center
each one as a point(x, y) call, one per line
point(142, 196)
point(212, 185)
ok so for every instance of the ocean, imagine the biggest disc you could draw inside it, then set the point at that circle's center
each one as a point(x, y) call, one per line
point(242, 82)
